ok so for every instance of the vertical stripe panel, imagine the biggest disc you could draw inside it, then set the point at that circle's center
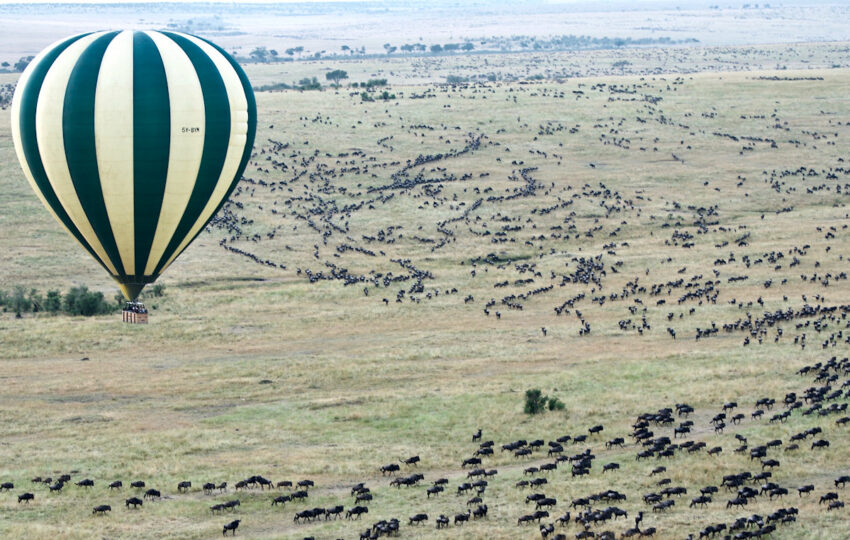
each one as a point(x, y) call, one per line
point(79, 138)
point(243, 127)
point(24, 136)
point(51, 145)
point(218, 137)
point(151, 142)
point(113, 129)
point(186, 143)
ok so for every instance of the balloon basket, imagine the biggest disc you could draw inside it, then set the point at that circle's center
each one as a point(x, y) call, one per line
point(134, 313)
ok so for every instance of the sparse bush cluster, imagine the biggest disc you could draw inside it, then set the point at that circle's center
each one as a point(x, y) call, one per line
point(536, 402)
point(77, 301)
point(371, 83)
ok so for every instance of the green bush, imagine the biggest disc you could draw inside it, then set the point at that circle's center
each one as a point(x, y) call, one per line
point(556, 404)
point(157, 290)
point(53, 302)
point(536, 402)
point(81, 301)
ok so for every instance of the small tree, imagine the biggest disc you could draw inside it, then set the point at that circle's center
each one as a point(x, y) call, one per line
point(556, 404)
point(157, 290)
point(336, 75)
point(23, 62)
point(20, 304)
point(81, 301)
point(535, 401)
point(53, 302)
point(260, 54)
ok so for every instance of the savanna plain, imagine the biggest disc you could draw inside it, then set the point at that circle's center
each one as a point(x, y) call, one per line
point(397, 269)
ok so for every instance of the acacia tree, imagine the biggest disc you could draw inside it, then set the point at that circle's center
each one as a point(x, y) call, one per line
point(336, 75)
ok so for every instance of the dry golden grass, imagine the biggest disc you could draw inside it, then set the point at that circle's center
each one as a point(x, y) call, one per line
point(356, 384)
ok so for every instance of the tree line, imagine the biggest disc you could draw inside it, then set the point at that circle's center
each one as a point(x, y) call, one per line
point(77, 301)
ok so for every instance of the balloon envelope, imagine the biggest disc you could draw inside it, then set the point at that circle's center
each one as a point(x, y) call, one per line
point(133, 141)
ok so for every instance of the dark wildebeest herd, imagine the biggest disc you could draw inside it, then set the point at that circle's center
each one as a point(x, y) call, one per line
point(657, 444)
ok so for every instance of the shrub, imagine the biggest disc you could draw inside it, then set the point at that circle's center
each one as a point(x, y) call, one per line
point(81, 301)
point(556, 404)
point(535, 401)
point(157, 290)
point(53, 302)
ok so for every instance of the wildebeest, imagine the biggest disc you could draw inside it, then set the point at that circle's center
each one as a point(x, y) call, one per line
point(25, 497)
point(152, 493)
point(336, 511)
point(418, 518)
point(135, 502)
point(116, 485)
point(184, 486)
point(390, 468)
point(356, 512)
point(85, 483)
point(282, 500)
point(232, 526)
point(101, 509)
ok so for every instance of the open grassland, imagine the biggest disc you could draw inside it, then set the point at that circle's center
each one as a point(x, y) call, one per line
point(474, 211)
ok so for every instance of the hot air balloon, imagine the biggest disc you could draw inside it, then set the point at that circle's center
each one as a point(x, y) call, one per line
point(133, 140)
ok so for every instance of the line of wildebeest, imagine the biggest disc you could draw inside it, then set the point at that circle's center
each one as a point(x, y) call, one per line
point(591, 511)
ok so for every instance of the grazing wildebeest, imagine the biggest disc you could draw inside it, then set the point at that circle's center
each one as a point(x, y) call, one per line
point(232, 526)
point(25, 497)
point(820, 443)
point(462, 518)
point(116, 485)
point(138, 484)
point(418, 518)
point(85, 483)
point(101, 509)
point(184, 486)
point(442, 521)
point(135, 502)
point(151, 493)
point(282, 500)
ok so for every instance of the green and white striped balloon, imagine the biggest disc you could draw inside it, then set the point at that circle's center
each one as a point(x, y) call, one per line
point(133, 140)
